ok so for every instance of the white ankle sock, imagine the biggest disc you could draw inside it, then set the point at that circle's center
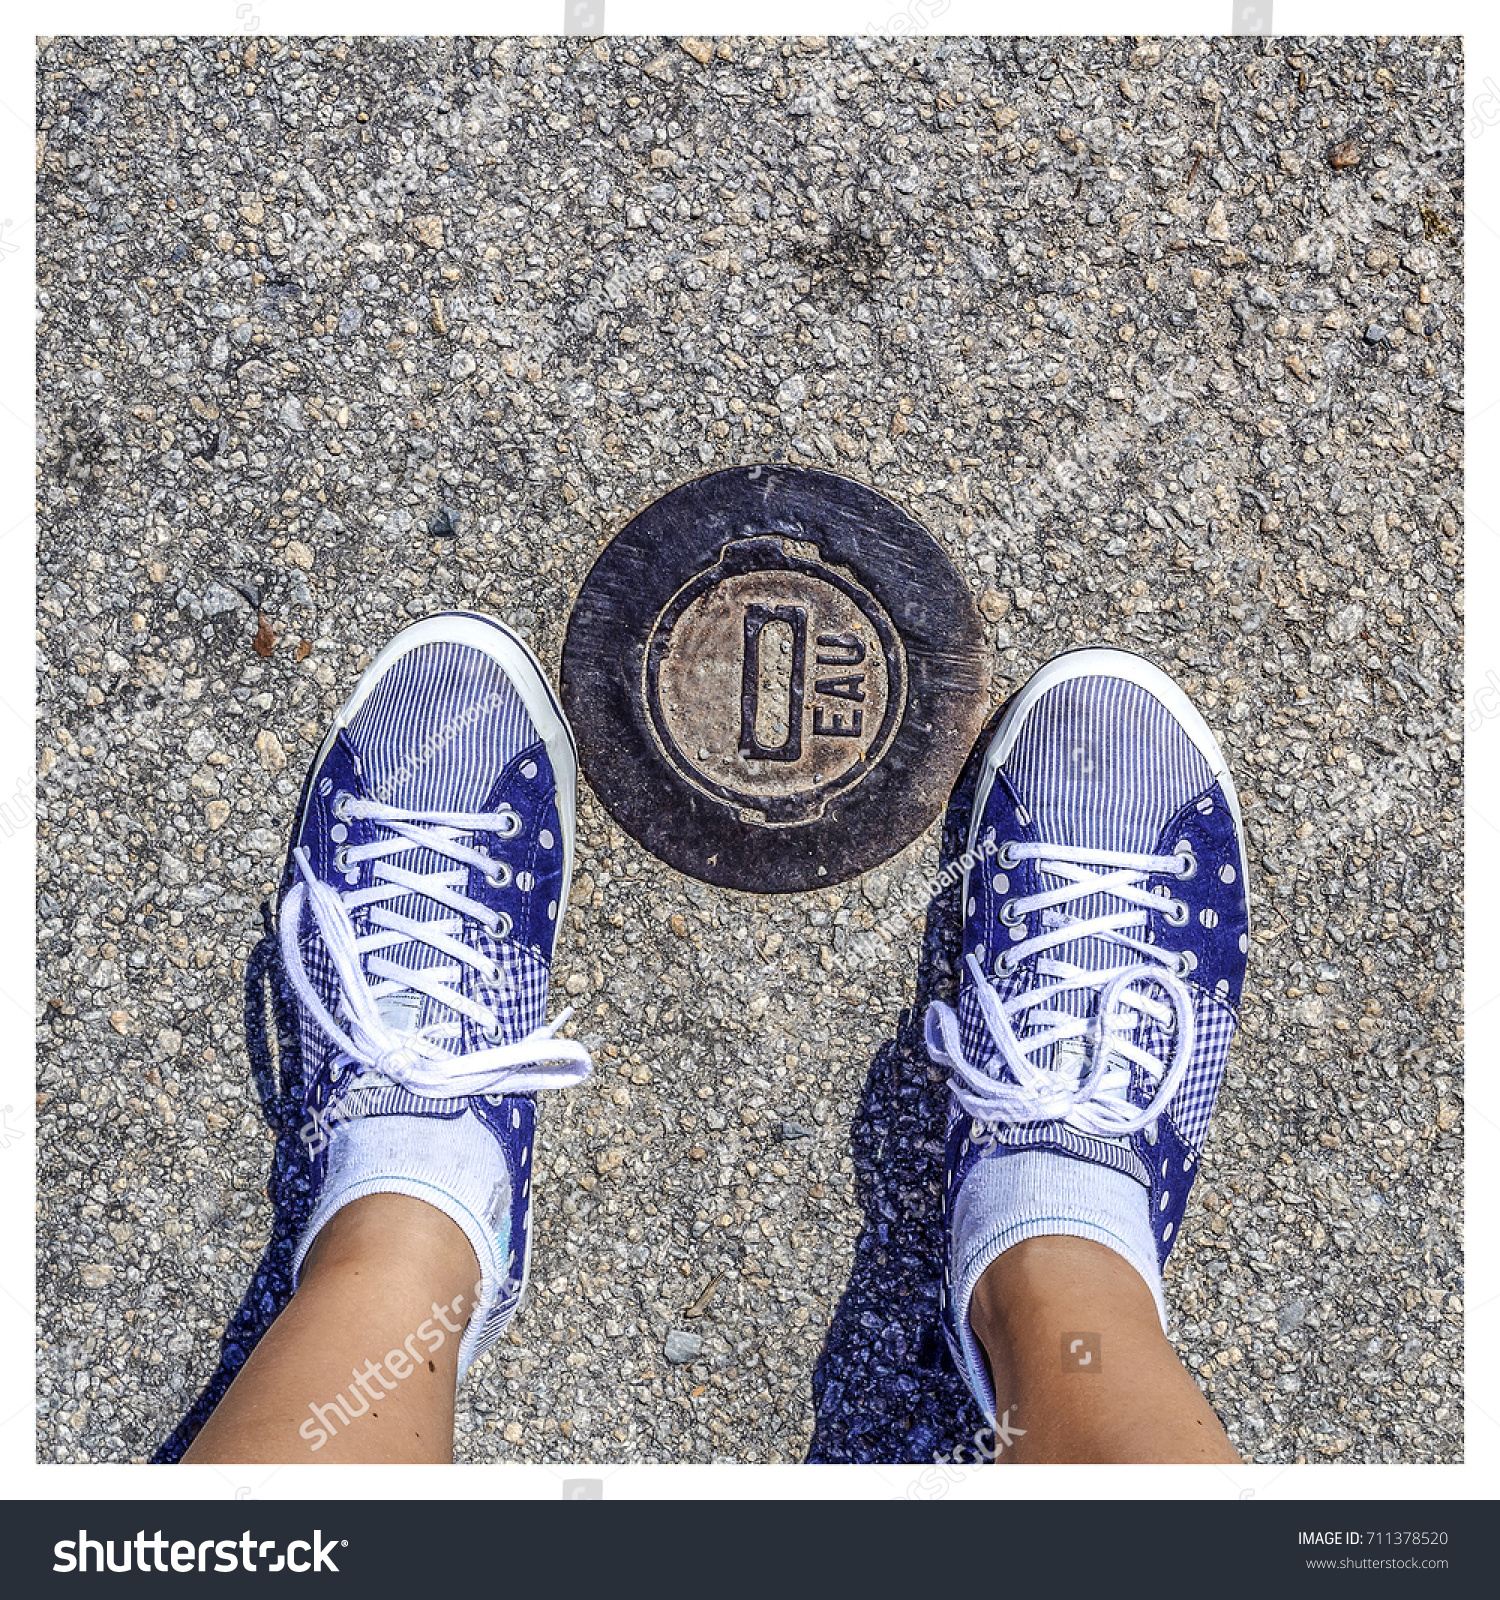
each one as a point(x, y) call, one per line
point(455, 1164)
point(1008, 1198)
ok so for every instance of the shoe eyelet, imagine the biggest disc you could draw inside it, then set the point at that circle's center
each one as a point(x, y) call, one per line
point(510, 825)
point(1008, 915)
point(504, 927)
point(1187, 963)
point(501, 876)
point(341, 859)
point(341, 802)
point(1005, 854)
point(1150, 1131)
point(1176, 913)
point(1189, 867)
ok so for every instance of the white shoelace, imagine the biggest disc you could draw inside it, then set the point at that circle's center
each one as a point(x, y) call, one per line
point(418, 1060)
point(1096, 1101)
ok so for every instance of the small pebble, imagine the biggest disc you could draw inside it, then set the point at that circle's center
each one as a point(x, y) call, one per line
point(682, 1347)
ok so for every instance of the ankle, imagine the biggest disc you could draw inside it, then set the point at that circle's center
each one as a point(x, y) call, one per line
point(392, 1231)
point(1054, 1280)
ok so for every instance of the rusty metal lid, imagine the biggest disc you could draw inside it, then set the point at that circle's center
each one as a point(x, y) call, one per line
point(774, 675)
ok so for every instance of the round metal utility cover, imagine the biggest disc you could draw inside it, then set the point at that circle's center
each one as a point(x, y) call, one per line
point(774, 675)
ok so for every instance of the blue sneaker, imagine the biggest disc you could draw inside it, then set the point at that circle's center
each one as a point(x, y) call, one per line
point(1104, 940)
point(419, 915)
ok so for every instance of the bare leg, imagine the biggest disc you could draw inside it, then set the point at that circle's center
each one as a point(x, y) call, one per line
point(1135, 1402)
point(385, 1292)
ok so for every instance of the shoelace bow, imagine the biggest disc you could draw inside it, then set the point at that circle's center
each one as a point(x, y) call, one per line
point(418, 1060)
point(1014, 1085)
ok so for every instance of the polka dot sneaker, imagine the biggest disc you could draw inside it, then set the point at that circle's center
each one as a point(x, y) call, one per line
point(419, 914)
point(1104, 943)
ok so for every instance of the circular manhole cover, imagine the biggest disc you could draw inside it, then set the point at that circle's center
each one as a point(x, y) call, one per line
point(774, 675)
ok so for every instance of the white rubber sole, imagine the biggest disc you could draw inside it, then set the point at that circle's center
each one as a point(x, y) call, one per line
point(519, 663)
point(1102, 663)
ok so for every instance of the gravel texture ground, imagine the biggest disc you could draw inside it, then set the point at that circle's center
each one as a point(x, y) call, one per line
point(1161, 339)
